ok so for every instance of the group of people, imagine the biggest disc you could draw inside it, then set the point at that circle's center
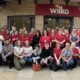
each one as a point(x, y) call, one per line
point(56, 48)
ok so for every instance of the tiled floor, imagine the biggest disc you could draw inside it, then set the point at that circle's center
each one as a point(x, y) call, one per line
point(45, 74)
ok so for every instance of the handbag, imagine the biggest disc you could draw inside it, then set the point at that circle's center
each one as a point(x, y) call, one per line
point(36, 67)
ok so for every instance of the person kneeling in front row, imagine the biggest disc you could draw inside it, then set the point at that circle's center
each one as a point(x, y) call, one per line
point(36, 54)
point(46, 55)
point(7, 53)
point(56, 64)
point(19, 62)
point(27, 54)
point(75, 54)
point(66, 55)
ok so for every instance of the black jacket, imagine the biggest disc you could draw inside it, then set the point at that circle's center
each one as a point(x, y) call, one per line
point(46, 53)
point(36, 40)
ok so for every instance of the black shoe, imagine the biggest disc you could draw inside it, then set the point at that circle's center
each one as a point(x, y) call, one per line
point(71, 68)
point(10, 67)
point(50, 68)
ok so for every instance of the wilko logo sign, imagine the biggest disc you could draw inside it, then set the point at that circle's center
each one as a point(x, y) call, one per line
point(59, 10)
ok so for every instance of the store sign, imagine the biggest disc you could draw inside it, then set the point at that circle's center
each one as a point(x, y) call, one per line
point(60, 10)
point(50, 9)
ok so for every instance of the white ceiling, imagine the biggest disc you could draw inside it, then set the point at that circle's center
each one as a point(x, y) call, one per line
point(75, 0)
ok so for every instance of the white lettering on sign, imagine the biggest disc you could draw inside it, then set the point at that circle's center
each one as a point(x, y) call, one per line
point(59, 10)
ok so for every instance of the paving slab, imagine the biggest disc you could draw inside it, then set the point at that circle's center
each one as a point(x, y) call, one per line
point(74, 74)
point(61, 78)
point(8, 75)
point(58, 74)
point(42, 75)
point(26, 73)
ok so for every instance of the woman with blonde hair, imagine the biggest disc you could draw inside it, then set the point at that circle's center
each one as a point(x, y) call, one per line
point(19, 62)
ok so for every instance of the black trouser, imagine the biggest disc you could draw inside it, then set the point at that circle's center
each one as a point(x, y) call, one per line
point(75, 62)
point(10, 59)
point(54, 66)
point(1, 59)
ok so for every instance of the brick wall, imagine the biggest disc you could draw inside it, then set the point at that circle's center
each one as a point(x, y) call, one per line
point(26, 8)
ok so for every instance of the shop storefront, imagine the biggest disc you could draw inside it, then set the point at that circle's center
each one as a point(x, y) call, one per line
point(58, 15)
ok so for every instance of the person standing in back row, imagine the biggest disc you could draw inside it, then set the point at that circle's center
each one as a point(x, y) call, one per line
point(44, 38)
point(74, 38)
point(36, 38)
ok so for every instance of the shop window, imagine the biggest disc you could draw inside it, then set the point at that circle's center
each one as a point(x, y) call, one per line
point(61, 22)
point(21, 21)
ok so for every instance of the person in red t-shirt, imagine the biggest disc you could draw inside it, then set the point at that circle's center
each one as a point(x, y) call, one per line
point(60, 38)
point(57, 57)
point(8, 35)
point(78, 32)
point(49, 31)
point(31, 35)
point(26, 35)
point(22, 37)
point(56, 30)
point(14, 37)
point(3, 32)
point(75, 53)
point(44, 38)
point(66, 34)
point(53, 38)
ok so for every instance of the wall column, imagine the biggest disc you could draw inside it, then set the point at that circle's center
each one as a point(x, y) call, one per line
point(39, 22)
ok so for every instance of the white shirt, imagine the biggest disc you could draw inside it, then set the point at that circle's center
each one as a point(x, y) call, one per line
point(28, 50)
point(19, 50)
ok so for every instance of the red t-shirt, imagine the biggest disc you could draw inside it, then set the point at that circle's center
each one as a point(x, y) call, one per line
point(78, 34)
point(22, 38)
point(14, 38)
point(67, 36)
point(49, 33)
point(44, 39)
point(27, 38)
point(57, 52)
point(3, 33)
point(75, 51)
point(8, 36)
point(59, 38)
point(30, 36)
point(52, 37)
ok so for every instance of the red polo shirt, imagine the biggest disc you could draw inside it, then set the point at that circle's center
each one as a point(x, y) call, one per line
point(75, 51)
point(30, 36)
point(14, 38)
point(67, 36)
point(3, 33)
point(52, 37)
point(57, 52)
point(22, 38)
point(44, 39)
point(59, 38)
point(49, 33)
point(78, 34)
point(26, 38)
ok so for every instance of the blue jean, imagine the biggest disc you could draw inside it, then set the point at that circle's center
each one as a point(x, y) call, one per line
point(28, 59)
point(65, 66)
